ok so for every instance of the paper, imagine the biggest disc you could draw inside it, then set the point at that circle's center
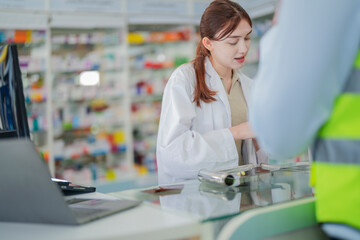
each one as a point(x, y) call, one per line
point(165, 190)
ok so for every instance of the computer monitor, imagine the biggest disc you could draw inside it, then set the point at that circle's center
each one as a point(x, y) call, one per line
point(13, 115)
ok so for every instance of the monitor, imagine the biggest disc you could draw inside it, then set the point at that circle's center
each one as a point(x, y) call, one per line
point(13, 115)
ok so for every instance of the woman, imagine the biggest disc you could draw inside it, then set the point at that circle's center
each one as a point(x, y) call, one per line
point(203, 122)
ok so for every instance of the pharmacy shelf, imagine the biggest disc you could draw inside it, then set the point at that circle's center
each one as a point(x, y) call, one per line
point(89, 111)
point(154, 53)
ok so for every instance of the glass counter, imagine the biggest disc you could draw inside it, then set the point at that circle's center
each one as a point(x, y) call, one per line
point(210, 202)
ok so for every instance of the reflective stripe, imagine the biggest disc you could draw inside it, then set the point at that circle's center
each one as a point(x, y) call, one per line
point(357, 60)
point(337, 151)
point(336, 169)
point(353, 84)
point(338, 193)
point(345, 119)
point(3, 53)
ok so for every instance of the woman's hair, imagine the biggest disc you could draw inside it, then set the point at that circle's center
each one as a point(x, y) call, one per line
point(220, 15)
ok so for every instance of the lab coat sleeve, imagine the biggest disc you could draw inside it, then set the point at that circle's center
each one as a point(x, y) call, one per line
point(304, 63)
point(182, 151)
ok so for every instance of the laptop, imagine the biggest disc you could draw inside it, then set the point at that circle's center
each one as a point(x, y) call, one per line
point(29, 195)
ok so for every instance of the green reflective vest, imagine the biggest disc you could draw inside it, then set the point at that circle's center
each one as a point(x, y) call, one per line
point(336, 153)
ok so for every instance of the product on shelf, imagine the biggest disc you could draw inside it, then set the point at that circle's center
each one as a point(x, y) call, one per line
point(88, 100)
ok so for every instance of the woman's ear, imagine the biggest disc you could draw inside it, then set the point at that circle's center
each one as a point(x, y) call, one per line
point(207, 43)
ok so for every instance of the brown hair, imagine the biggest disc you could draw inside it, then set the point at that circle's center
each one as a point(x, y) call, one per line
point(220, 15)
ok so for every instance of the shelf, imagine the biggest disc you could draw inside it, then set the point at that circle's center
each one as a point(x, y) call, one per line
point(152, 69)
point(146, 98)
point(86, 130)
point(36, 102)
point(29, 45)
point(42, 72)
point(81, 46)
point(75, 71)
point(158, 43)
point(145, 121)
point(78, 157)
point(62, 104)
point(38, 132)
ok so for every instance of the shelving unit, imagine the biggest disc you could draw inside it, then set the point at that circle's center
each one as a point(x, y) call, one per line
point(154, 52)
point(108, 131)
point(89, 88)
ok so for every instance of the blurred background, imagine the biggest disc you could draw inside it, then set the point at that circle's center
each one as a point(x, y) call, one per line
point(94, 72)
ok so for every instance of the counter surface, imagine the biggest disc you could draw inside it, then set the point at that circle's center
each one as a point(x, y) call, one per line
point(208, 202)
point(185, 210)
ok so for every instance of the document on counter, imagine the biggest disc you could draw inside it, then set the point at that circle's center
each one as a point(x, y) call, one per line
point(165, 190)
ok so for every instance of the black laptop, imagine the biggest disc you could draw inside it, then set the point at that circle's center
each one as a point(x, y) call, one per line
point(29, 195)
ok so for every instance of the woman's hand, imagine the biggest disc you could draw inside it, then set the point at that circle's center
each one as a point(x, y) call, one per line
point(242, 131)
point(256, 145)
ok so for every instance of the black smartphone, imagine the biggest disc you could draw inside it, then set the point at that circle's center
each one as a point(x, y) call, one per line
point(76, 189)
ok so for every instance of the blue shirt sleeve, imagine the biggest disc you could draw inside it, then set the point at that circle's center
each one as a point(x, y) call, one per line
point(304, 63)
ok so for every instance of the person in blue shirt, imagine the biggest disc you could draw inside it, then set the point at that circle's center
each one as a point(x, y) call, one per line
point(307, 93)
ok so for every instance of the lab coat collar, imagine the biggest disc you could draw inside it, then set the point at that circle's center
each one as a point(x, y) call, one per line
point(214, 83)
point(246, 84)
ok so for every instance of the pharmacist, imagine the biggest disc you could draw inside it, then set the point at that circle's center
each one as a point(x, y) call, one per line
point(203, 122)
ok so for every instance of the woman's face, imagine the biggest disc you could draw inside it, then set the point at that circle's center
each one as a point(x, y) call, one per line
point(230, 53)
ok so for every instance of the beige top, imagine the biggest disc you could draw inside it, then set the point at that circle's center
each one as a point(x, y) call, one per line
point(238, 107)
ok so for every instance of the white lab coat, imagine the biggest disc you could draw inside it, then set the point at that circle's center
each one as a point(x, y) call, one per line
point(191, 138)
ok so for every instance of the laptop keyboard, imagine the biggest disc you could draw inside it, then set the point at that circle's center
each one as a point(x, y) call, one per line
point(90, 209)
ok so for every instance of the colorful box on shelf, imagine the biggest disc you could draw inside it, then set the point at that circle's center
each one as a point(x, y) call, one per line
point(141, 169)
point(22, 36)
point(158, 65)
point(35, 95)
point(159, 37)
point(98, 105)
point(136, 38)
point(117, 141)
point(144, 88)
point(93, 145)
point(30, 64)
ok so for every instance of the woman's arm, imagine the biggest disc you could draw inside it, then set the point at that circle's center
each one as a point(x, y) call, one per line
point(242, 131)
point(301, 71)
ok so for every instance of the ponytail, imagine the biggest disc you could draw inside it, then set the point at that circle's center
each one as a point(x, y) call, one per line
point(201, 92)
